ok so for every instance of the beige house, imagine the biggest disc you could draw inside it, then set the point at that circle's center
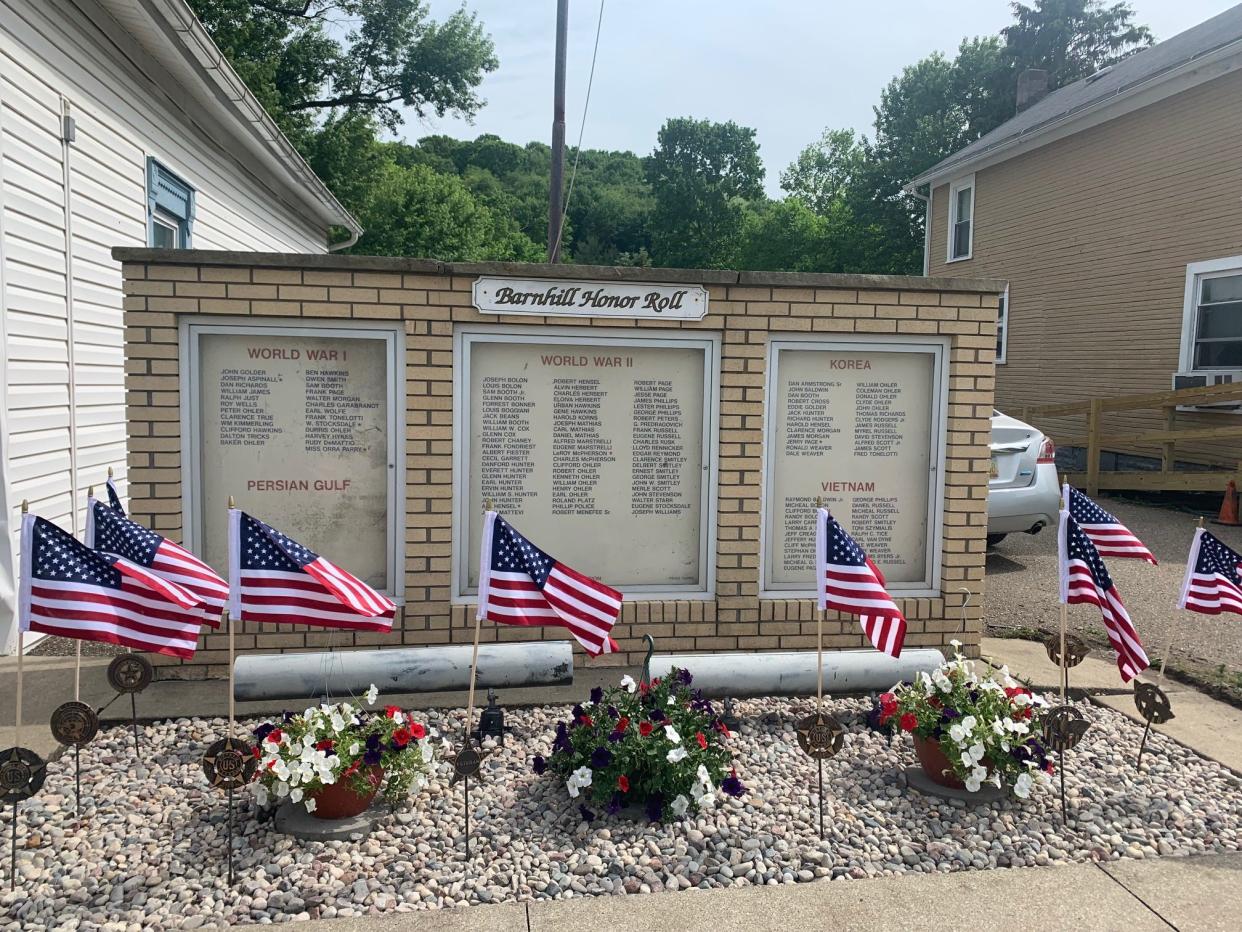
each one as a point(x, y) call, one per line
point(1113, 206)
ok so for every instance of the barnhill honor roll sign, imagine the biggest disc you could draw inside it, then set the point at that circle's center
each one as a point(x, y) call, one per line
point(630, 300)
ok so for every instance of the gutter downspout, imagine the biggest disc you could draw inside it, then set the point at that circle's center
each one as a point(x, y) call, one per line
point(346, 243)
point(926, 199)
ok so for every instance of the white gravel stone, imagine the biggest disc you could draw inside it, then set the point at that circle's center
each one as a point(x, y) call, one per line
point(150, 854)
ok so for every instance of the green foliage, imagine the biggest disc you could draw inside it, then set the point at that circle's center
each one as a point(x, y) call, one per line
point(658, 746)
point(702, 174)
point(1070, 39)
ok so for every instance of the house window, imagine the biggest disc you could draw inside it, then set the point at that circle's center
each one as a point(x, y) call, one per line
point(1212, 316)
point(961, 218)
point(1002, 327)
point(170, 208)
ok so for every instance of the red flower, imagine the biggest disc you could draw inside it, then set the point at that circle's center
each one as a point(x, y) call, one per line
point(622, 723)
point(1050, 767)
point(257, 753)
point(392, 710)
point(274, 736)
point(645, 728)
point(909, 722)
point(623, 783)
point(644, 687)
point(935, 702)
point(402, 736)
point(352, 769)
point(698, 736)
point(325, 745)
point(724, 729)
point(418, 731)
point(585, 720)
point(656, 681)
point(271, 765)
point(888, 699)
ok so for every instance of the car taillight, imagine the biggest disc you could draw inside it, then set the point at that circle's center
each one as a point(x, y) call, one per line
point(1047, 452)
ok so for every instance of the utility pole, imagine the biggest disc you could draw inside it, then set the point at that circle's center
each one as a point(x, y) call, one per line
point(555, 190)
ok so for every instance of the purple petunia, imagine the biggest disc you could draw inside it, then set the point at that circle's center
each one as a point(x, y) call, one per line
point(372, 757)
point(614, 712)
point(655, 807)
point(264, 730)
point(597, 695)
point(657, 715)
point(601, 757)
point(587, 814)
point(577, 712)
point(950, 713)
point(561, 741)
point(373, 742)
point(616, 736)
point(614, 804)
point(684, 677)
point(733, 786)
point(539, 764)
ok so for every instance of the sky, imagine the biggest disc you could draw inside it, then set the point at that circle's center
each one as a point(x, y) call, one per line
point(788, 68)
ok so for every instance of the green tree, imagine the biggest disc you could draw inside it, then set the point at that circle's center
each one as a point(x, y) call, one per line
point(1070, 39)
point(377, 55)
point(701, 175)
point(826, 170)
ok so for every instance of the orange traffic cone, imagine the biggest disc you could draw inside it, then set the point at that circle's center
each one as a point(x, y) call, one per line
point(1229, 507)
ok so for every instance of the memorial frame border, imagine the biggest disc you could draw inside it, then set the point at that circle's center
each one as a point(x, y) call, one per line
point(936, 346)
point(465, 334)
point(188, 331)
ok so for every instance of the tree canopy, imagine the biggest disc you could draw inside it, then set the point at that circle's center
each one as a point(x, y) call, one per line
point(339, 75)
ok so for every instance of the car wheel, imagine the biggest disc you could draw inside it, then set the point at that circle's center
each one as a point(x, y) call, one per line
point(994, 539)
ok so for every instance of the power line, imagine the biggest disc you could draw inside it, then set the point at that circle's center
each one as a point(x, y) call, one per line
point(573, 173)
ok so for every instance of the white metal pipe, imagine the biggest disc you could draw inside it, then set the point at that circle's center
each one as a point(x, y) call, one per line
point(401, 670)
point(794, 673)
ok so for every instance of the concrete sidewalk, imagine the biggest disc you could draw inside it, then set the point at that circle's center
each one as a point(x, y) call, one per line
point(1208, 727)
point(1202, 894)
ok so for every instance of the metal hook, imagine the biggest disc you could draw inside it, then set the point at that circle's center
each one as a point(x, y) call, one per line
point(646, 674)
point(964, 606)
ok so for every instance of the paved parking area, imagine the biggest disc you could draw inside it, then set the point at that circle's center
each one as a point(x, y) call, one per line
point(1022, 589)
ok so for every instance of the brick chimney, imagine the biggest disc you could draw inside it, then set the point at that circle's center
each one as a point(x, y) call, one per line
point(1032, 87)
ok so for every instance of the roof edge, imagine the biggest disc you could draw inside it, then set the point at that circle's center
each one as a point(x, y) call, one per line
point(235, 99)
point(1047, 131)
point(140, 255)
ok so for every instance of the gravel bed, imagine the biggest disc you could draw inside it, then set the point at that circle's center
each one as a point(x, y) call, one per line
point(152, 855)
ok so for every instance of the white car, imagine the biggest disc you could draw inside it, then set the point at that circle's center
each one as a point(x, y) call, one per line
point(1023, 492)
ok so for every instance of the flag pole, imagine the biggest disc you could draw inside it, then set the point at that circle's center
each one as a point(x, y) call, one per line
point(474, 654)
point(819, 634)
point(229, 621)
point(1064, 626)
point(1164, 660)
point(17, 724)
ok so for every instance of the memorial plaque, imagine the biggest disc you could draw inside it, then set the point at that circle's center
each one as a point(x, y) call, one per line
point(595, 450)
point(296, 428)
point(857, 425)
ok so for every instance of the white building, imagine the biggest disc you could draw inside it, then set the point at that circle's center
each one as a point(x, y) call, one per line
point(120, 124)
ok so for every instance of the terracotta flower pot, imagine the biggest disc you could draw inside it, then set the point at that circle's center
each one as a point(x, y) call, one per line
point(935, 764)
point(341, 800)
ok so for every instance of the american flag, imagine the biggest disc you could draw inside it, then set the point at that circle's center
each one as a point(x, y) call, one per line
point(519, 584)
point(114, 499)
point(1213, 577)
point(849, 582)
point(1085, 580)
point(108, 529)
point(273, 578)
point(1110, 536)
point(71, 591)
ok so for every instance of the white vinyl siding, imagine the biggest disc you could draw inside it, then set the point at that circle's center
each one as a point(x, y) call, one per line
point(61, 288)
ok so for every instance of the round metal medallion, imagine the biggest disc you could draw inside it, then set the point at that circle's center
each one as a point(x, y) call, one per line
point(1076, 649)
point(467, 762)
point(130, 673)
point(1064, 727)
point(1152, 703)
point(74, 723)
point(229, 763)
point(22, 773)
point(820, 735)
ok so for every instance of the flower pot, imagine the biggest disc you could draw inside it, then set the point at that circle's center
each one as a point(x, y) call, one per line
point(341, 800)
point(935, 764)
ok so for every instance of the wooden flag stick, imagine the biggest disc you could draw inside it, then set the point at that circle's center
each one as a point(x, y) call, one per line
point(819, 633)
point(1164, 660)
point(17, 724)
point(474, 654)
point(228, 620)
point(1064, 626)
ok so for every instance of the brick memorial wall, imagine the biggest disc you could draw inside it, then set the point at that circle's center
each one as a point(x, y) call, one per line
point(423, 315)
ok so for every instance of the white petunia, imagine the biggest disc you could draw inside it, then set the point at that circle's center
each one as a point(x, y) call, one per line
point(627, 682)
point(970, 723)
point(572, 786)
point(966, 761)
point(704, 777)
point(677, 754)
point(671, 733)
point(1022, 786)
point(707, 800)
point(354, 749)
point(371, 695)
point(295, 796)
point(998, 727)
point(973, 783)
point(281, 789)
point(337, 722)
point(679, 806)
point(671, 701)
point(957, 733)
point(583, 776)
point(310, 804)
point(260, 794)
point(976, 752)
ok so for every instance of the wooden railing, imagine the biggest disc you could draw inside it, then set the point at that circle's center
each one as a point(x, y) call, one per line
point(1167, 478)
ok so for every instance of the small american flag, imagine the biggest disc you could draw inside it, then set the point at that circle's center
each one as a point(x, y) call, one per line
point(273, 578)
point(108, 530)
point(1110, 536)
point(71, 591)
point(114, 498)
point(850, 582)
point(1213, 577)
point(1085, 580)
point(519, 584)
